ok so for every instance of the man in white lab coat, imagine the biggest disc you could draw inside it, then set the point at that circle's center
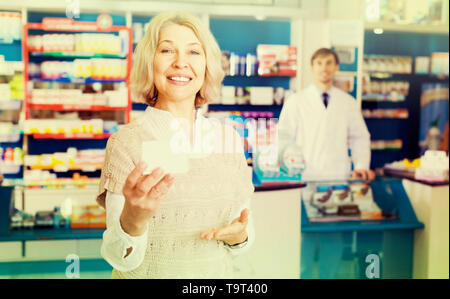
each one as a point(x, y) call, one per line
point(326, 122)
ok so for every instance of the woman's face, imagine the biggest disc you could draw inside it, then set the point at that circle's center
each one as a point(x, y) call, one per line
point(179, 64)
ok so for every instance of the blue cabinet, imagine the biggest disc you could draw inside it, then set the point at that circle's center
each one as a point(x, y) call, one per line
point(363, 249)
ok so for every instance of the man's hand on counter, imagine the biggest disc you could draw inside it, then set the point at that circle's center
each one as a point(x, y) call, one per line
point(366, 175)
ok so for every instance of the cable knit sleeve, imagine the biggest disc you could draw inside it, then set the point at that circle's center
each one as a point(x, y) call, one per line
point(123, 151)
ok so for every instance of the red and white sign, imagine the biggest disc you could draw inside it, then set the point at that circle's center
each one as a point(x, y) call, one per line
point(276, 60)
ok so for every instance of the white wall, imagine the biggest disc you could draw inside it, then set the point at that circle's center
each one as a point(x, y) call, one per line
point(315, 29)
point(314, 35)
point(346, 9)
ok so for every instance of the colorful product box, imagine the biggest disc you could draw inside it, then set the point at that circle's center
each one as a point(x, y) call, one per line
point(277, 60)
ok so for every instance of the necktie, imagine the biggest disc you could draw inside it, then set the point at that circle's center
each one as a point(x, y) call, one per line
point(325, 99)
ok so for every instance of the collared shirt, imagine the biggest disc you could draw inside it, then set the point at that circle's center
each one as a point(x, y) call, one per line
point(326, 134)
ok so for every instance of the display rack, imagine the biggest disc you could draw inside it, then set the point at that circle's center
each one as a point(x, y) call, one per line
point(68, 25)
point(406, 129)
point(64, 138)
point(245, 38)
point(11, 96)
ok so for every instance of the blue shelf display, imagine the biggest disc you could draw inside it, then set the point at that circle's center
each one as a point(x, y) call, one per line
point(346, 249)
point(401, 44)
point(242, 37)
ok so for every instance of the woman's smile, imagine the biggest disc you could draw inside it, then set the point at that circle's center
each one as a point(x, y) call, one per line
point(179, 79)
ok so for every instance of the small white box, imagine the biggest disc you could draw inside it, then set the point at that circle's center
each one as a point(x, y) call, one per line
point(261, 95)
point(162, 154)
point(228, 95)
point(422, 65)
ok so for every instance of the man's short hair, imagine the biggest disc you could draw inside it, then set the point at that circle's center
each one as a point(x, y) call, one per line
point(324, 52)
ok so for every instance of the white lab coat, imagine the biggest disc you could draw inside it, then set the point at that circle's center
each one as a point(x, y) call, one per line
point(326, 134)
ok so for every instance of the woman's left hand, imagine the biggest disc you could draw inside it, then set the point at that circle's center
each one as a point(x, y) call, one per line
point(231, 234)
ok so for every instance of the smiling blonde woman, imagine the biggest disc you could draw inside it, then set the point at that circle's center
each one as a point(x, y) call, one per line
point(183, 225)
point(142, 73)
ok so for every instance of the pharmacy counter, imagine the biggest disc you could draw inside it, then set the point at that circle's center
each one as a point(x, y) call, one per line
point(410, 176)
point(363, 249)
point(431, 245)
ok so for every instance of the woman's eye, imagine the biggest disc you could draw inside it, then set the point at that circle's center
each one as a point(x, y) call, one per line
point(195, 52)
point(166, 51)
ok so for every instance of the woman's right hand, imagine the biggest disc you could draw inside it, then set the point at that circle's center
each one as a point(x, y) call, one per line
point(142, 197)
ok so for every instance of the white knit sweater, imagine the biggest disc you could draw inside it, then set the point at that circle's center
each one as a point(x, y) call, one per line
point(217, 187)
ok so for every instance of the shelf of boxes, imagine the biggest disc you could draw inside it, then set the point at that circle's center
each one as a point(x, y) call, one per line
point(9, 168)
point(383, 145)
point(41, 179)
point(10, 29)
point(77, 69)
point(386, 103)
point(74, 99)
point(387, 64)
point(385, 91)
point(11, 97)
point(103, 58)
point(270, 61)
point(395, 81)
point(385, 113)
point(72, 160)
point(73, 107)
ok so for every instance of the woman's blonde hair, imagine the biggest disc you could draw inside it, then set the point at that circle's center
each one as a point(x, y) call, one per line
point(142, 85)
